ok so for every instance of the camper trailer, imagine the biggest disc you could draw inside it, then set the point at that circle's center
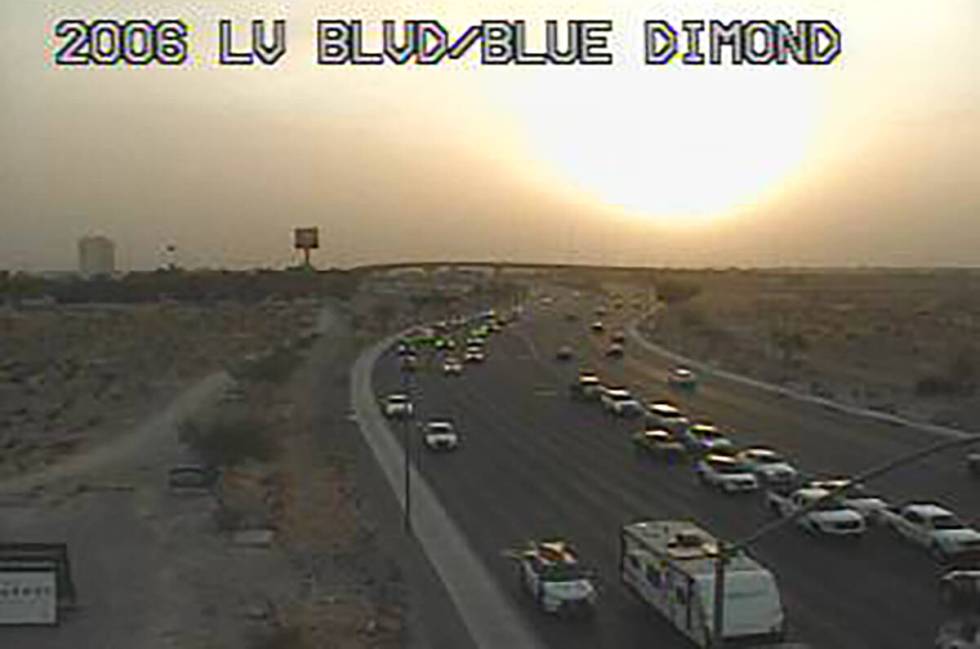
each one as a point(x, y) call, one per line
point(670, 565)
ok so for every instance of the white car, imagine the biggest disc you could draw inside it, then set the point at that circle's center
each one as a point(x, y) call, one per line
point(620, 402)
point(855, 496)
point(682, 377)
point(703, 437)
point(665, 415)
point(553, 575)
point(771, 467)
point(440, 435)
point(474, 355)
point(726, 473)
point(451, 366)
point(398, 406)
point(828, 516)
point(935, 528)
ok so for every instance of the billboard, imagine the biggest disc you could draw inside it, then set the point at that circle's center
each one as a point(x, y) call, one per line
point(306, 238)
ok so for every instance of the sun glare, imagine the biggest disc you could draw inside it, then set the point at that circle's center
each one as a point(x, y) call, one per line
point(676, 144)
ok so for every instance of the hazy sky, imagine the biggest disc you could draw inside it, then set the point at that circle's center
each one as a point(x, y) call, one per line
point(872, 160)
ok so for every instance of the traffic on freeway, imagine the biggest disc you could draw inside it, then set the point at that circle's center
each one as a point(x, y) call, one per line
point(608, 481)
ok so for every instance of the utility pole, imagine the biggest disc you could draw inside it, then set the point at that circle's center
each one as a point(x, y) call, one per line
point(718, 620)
point(727, 551)
point(408, 478)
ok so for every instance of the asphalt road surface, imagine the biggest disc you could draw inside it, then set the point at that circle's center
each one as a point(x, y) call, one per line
point(535, 464)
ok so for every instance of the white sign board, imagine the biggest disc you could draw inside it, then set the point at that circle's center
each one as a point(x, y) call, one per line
point(28, 596)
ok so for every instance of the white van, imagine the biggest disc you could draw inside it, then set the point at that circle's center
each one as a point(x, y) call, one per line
point(670, 565)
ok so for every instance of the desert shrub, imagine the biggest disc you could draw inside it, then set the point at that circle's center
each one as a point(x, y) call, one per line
point(789, 343)
point(691, 318)
point(228, 518)
point(273, 367)
point(960, 378)
point(963, 369)
point(382, 313)
point(936, 386)
point(675, 291)
point(228, 440)
point(282, 638)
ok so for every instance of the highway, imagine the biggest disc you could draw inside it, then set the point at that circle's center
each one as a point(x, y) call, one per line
point(536, 464)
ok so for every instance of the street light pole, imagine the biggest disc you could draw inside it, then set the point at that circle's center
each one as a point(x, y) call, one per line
point(408, 478)
point(406, 444)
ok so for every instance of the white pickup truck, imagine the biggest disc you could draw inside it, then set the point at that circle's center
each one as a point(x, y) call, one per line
point(552, 574)
point(935, 528)
point(830, 517)
point(854, 495)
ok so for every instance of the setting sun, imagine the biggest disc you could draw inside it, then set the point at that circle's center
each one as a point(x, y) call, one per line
point(676, 144)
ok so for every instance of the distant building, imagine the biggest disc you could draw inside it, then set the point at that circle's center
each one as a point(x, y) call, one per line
point(96, 256)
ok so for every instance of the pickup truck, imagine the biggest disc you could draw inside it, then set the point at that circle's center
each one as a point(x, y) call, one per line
point(553, 575)
point(854, 495)
point(829, 518)
point(934, 528)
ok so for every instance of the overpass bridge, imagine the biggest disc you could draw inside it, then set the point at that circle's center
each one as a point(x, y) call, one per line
point(504, 267)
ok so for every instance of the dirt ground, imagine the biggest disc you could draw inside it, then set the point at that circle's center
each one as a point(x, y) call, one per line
point(159, 569)
point(72, 377)
point(300, 548)
point(901, 342)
